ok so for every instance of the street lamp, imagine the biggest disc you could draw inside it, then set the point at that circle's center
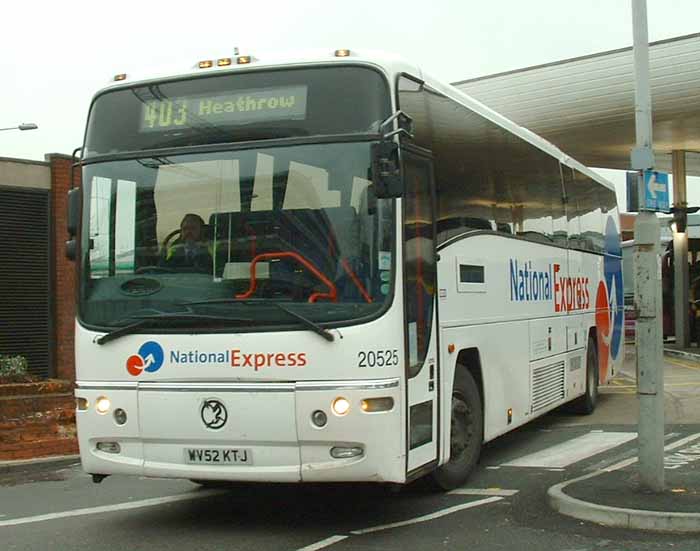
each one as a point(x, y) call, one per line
point(23, 126)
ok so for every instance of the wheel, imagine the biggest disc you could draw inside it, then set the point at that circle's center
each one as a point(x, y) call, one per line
point(585, 405)
point(466, 433)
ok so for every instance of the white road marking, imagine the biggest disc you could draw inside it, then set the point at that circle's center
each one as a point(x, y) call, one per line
point(112, 508)
point(673, 446)
point(576, 449)
point(483, 492)
point(323, 543)
point(437, 514)
point(431, 516)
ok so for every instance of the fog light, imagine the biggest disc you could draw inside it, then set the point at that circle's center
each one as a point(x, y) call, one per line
point(81, 404)
point(338, 452)
point(102, 405)
point(119, 416)
point(341, 406)
point(319, 418)
point(373, 405)
point(108, 447)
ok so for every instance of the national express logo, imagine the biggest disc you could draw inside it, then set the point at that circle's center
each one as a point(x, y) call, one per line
point(149, 358)
point(529, 283)
point(609, 300)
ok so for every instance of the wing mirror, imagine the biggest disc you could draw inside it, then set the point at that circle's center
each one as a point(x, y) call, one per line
point(386, 169)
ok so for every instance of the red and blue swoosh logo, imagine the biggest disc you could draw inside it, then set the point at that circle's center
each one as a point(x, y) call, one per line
point(610, 300)
point(149, 358)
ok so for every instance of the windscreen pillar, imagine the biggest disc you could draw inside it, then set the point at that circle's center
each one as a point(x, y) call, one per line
point(681, 280)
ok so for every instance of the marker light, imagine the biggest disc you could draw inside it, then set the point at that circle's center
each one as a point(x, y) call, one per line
point(205, 64)
point(109, 447)
point(119, 416)
point(339, 452)
point(81, 404)
point(120, 76)
point(102, 405)
point(243, 59)
point(223, 62)
point(319, 418)
point(341, 406)
point(342, 52)
point(375, 405)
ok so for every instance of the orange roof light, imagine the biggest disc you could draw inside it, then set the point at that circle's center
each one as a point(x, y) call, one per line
point(342, 52)
point(223, 62)
point(243, 59)
point(120, 76)
point(205, 64)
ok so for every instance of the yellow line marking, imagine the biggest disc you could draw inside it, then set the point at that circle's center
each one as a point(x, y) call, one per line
point(680, 363)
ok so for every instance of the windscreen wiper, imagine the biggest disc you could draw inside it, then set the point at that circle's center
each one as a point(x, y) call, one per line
point(316, 328)
point(177, 317)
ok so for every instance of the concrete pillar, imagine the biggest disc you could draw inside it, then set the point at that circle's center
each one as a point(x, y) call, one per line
point(650, 355)
point(681, 280)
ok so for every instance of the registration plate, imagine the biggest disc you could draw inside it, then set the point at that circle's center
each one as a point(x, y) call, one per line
point(219, 456)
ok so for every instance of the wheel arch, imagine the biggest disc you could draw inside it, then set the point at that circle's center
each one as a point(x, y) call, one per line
point(470, 359)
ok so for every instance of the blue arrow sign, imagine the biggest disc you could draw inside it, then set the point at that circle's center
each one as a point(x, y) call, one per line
point(655, 191)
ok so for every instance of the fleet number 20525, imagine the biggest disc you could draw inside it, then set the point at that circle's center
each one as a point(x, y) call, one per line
point(377, 358)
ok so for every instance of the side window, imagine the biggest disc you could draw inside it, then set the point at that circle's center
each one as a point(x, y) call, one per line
point(419, 261)
point(534, 185)
point(584, 211)
point(485, 177)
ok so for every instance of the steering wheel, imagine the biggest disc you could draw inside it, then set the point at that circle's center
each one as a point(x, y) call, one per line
point(168, 238)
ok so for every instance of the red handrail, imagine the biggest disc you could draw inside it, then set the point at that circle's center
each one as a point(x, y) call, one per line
point(332, 293)
point(355, 280)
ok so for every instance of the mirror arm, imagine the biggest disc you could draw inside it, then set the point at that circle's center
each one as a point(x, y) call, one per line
point(399, 115)
point(397, 132)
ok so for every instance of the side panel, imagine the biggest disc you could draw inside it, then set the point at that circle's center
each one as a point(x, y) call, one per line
point(528, 320)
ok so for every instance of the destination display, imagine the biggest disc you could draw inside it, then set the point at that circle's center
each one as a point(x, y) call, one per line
point(240, 108)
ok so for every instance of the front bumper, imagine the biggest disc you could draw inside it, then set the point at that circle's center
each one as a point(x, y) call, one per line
point(272, 420)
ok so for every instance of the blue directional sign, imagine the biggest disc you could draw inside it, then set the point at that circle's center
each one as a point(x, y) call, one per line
point(655, 191)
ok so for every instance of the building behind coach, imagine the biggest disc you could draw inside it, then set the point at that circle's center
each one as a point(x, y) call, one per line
point(37, 283)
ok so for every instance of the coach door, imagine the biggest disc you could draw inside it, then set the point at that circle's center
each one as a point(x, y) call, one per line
point(419, 272)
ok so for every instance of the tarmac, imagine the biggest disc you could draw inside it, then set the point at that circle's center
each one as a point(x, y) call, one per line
point(614, 496)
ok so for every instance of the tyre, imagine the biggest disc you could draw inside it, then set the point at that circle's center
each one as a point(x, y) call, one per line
point(585, 405)
point(466, 433)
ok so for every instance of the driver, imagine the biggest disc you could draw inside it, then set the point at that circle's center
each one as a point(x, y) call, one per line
point(190, 252)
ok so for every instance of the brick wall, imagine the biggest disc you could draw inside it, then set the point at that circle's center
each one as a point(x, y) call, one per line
point(64, 276)
point(37, 420)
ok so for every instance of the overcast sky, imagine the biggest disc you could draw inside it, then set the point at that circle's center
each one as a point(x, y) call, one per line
point(55, 56)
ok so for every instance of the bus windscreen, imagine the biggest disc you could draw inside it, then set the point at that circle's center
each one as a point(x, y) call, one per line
point(235, 107)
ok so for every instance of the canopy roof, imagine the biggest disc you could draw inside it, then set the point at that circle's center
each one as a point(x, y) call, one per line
point(585, 105)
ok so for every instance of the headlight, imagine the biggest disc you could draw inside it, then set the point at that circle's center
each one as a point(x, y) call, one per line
point(102, 405)
point(341, 406)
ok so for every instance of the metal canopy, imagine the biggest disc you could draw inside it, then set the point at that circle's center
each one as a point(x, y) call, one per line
point(585, 105)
